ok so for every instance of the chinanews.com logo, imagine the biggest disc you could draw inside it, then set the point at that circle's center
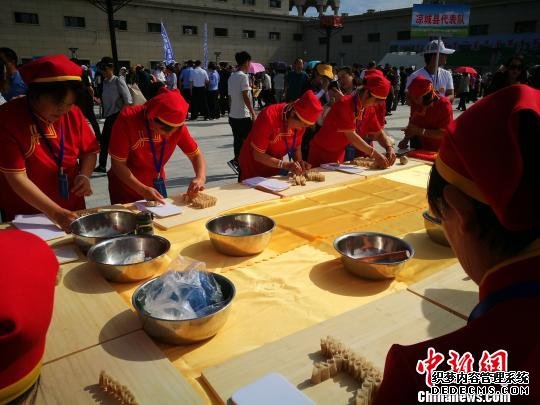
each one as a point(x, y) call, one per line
point(490, 382)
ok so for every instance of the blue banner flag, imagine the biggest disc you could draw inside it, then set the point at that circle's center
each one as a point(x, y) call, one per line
point(205, 46)
point(167, 48)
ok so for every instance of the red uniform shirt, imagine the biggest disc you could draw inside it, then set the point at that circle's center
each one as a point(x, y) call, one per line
point(130, 143)
point(328, 145)
point(509, 325)
point(438, 115)
point(24, 149)
point(269, 135)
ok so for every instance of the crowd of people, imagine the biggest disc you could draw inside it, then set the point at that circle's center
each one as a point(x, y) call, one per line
point(309, 116)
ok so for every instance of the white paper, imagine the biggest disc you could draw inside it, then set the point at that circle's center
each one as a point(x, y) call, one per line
point(271, 184)
point(351, 169)
point(271, 389)
point(66, 254)
point(161, 210)
point(39, 225)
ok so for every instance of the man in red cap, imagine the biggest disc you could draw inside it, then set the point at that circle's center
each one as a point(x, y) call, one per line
point(489, 207)
point(277, 132)
point(26, 303)
point(430, 117)
point(142, 141)
point(48, 149)
point(339, 127)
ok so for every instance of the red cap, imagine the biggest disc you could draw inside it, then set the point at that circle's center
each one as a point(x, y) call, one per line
point(308, 108)
point(169, 107)
point(26, 302)
point(419, 87)
point(53, 68)
point(376, 83)
point(489, 157)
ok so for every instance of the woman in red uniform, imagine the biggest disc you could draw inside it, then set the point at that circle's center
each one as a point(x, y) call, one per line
point(430, 116)
point(370, 127)
point(142, 141)
point(277, 132)
point(339, 128)
point(48, 149)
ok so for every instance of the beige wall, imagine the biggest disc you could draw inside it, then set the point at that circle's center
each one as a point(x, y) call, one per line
point(137, 44)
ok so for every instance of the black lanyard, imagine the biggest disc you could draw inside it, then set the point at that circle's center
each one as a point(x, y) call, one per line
point(58, 158)
point(517, 291)
point(157, 163)
point(290, 151)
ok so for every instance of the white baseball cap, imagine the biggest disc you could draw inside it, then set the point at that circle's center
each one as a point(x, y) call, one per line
point(432, 47)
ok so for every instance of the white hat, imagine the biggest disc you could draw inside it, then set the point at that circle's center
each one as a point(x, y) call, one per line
point(432, 47)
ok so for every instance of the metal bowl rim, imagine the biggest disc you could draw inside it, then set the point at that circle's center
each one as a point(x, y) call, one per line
point(97, 245)
point(99, 213)
point(240, 213)
point(427, 216)
point(148, 315)
point(340, 238)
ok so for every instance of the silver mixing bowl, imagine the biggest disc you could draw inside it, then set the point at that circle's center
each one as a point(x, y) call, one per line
point(94, 228)
point(130, 258)
point(434, 229)
point(354, 246)
point(184, 331)
point(240, 234)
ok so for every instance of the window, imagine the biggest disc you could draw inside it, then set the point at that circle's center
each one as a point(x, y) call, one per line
point(221, 32)
point(120, 25)
point(524, 26)
point(189, 29)
point(77, 22)
point(274, 36)
point(481, 29)
point(404, 35)
point(297, 37)
point(374, 37)
point(346, 39)
point(274, 3)
point(154, 27)
point(248, 2)
point(248, 34)
point(26, 18)
point(322, 40)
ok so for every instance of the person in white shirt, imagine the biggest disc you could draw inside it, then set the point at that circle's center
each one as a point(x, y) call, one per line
point(159, 74)
point(242, 114)
point(198, 81)
point(442, 81)
point(279, 85)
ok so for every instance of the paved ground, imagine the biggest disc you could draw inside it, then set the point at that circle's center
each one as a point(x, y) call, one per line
point(216, 142)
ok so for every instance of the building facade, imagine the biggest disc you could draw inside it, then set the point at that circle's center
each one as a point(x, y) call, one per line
point(262, 27)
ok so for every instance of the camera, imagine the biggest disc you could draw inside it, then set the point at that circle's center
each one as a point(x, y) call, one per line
point(334, 84)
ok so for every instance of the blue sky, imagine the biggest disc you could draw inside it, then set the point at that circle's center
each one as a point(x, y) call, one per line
point(360, 6)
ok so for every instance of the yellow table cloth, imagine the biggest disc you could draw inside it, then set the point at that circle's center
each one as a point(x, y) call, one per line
point(298, 280)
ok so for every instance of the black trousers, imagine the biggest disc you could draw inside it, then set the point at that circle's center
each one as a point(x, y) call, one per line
point(240, 129)
point(463, 98)
point(223, 103)
point(105, 138)
point(198, 103)
point(212, 100)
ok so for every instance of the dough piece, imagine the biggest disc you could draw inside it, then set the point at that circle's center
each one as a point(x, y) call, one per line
point(403, 160)
point(200, 201)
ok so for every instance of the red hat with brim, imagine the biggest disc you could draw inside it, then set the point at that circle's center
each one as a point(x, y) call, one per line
point(376, 83)
point(27, 284)
point(308, 108)
point(169, 107)
point(489, 155)
point(49, 69)
point(419, 87)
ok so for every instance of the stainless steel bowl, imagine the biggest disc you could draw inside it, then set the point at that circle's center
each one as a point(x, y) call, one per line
point(354, 246)
point(240, 234)
point(130, 258)
point(188, 330)
point(434, 229)
point(94, 228)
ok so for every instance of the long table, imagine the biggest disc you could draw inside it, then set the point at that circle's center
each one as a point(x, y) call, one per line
point(296, 285)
